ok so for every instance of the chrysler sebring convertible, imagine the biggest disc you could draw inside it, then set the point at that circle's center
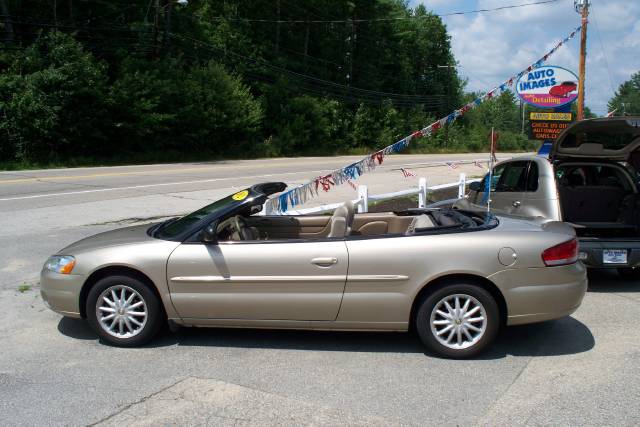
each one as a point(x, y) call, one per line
point(455, 277)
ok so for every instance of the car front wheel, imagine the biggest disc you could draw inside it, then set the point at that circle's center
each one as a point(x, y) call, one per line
point(458, 320)
point(123, 311)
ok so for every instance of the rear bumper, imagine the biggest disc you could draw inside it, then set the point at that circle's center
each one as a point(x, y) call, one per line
point(61, 292)
point(539, 294)
point(591, 252)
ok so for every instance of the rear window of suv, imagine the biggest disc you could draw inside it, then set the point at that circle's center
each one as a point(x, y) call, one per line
point(609, 140)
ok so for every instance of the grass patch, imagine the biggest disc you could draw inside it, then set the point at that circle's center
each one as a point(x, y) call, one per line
point(24, 288)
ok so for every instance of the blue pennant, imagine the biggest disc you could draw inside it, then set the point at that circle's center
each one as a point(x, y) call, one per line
point(283, 202)
point(485, 196)
point(352, 171)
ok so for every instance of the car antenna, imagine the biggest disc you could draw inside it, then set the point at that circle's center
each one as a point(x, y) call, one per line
point(491, 158)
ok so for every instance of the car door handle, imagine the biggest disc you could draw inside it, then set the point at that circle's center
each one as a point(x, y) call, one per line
point(324, 262)
point(516, 204)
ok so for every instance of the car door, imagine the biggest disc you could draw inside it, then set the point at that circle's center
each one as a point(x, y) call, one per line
point(508, 183)
point(258, 280)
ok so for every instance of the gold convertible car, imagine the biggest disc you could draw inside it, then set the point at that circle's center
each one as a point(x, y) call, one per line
point(454, 276)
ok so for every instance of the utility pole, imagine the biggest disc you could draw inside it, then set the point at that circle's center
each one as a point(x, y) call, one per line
point(156, 24)
point(450, 69)
point(166, 39)
point(582, 7)
point(278, 26)
point(523, 112)
point(8, 24)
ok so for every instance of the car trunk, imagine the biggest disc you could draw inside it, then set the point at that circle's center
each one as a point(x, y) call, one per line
point(600, 199)
point(595, 166)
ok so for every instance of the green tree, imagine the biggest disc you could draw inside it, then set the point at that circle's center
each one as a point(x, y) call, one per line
point(201, 110)
point(626, 100)
point(52, 101)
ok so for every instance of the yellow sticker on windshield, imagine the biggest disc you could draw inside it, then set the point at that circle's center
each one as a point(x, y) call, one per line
point(241, 195)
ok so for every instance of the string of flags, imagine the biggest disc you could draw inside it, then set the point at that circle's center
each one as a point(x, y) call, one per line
point(299, 195)
point(407, 173)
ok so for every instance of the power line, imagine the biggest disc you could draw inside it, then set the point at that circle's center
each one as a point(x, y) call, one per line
point(301, 75)
point(314, 85)
point(604, 53)
point(403, 18)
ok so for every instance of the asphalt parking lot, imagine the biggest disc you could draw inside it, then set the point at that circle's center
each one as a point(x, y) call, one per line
point(580, 370)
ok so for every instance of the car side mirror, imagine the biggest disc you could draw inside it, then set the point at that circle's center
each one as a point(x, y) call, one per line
point(475, 186)
point(209, 233)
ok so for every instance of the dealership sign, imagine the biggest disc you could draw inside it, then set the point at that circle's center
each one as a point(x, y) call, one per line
point(548, 87)
point(547, 126)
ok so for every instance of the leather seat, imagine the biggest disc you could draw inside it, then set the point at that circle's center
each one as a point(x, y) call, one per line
point(342, 220)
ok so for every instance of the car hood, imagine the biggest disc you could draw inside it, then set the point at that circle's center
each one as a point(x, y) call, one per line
point(611, 138)
point(121, 236)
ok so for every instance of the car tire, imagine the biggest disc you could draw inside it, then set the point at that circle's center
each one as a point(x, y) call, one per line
point(630, 273)
point(442, 329)
point(135, 310)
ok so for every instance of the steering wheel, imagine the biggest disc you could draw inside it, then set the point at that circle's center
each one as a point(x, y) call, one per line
point(240, 226)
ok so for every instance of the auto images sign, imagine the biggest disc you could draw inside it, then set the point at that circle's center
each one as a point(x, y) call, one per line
point(548, 87)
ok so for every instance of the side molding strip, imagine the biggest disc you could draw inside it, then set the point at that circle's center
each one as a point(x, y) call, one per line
point(268, 279)
point(271, 279)
point(377, 278)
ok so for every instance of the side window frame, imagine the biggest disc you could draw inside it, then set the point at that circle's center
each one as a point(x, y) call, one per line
point(529, 188)
point(504, 173)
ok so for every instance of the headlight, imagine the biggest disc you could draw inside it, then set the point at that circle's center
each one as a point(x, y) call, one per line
point(60, 264)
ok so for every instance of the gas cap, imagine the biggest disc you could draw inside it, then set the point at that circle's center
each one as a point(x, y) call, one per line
point(507, 256)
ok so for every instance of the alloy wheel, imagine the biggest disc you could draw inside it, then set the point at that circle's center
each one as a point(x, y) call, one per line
point(121, 311)
point(458, 321)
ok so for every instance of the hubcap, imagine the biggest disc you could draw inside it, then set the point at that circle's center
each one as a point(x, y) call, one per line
point(458, 321)
point(121, 311)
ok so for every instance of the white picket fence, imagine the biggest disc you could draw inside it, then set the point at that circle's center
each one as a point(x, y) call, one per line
point(362, 202)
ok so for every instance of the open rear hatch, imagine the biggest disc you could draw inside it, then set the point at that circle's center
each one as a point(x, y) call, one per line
point(596, 164)
point(612, 138)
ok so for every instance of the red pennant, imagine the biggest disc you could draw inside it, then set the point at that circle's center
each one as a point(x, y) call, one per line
point(326, 182)
point(379, 156)
point(407, 173)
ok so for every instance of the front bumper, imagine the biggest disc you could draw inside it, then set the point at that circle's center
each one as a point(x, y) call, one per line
point(61, 292)
point(544, 293)
point(591, 252)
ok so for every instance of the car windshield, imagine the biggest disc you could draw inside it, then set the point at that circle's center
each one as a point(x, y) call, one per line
point(173, 228)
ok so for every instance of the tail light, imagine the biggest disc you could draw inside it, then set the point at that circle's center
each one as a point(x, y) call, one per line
point(562, 254)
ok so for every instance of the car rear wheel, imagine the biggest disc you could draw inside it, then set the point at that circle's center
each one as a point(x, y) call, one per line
point(123, 311)
point(458, 320)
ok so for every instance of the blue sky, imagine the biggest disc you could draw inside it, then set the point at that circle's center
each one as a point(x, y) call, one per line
point(491, 46)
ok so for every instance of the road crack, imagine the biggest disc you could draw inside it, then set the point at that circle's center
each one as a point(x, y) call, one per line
point(142, 400)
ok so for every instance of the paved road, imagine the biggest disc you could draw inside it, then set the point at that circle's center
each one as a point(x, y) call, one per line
point(581, 370)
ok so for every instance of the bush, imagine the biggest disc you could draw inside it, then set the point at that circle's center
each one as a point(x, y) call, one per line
point(52, 99)
point(201, 110)
point(309, 126)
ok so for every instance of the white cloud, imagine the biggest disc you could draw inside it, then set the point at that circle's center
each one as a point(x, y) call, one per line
point(492, 46)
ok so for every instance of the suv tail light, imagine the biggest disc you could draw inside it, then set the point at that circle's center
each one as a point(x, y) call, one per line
point(562, 254)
